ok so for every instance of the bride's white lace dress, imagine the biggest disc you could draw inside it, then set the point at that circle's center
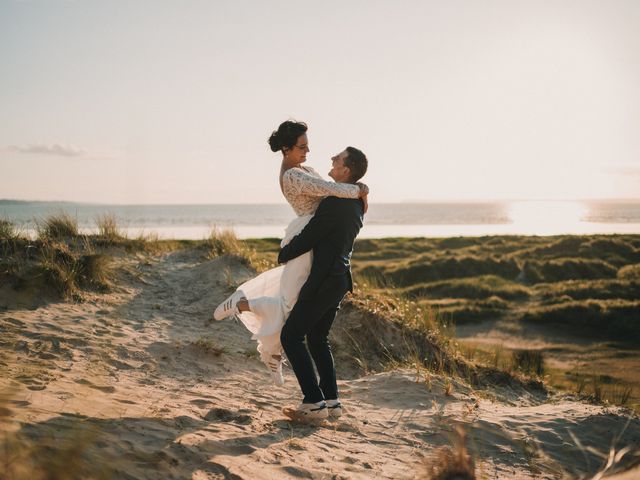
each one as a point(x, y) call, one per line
point(273, 294)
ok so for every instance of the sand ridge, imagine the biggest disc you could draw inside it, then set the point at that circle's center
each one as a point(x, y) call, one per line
point(163, 392)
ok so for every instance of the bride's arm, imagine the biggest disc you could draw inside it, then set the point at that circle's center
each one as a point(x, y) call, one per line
point(308, 184)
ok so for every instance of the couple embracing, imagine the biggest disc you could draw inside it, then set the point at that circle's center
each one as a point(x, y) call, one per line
point(299, 300)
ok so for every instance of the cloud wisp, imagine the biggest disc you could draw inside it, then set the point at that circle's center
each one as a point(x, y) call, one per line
point(55, 149)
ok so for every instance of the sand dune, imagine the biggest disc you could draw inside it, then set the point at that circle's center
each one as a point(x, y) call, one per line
point(152, 389)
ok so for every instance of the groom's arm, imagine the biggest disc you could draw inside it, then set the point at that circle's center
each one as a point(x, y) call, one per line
point(318, 227)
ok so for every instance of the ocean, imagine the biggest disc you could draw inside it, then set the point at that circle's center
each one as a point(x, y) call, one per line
point(442, 219)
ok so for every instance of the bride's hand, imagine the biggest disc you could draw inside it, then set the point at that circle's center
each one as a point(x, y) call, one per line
point(365, 200)
point(364, 190)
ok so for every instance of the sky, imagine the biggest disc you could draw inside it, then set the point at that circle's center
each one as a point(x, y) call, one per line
point(173, 101)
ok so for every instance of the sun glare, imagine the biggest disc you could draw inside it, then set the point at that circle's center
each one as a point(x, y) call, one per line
point(547, 217)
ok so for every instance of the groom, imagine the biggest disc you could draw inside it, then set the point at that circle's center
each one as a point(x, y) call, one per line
point(330, 234)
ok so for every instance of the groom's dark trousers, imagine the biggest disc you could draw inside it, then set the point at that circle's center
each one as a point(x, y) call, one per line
point(330, 234)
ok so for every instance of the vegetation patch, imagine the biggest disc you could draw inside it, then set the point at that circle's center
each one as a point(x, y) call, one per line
point(225, 242)
point(453, 267)
point(584, 290)
point(480, 287)
point(58, 227)
point(618, 319)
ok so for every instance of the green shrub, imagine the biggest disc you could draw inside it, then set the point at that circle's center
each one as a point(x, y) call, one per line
point(629, 272)
point(564, 247)
point(589, 289)
point(618, 319)
point(471, 311)
point(573, 269)
point(613, 250)
point(480, 287)
point(454, 267)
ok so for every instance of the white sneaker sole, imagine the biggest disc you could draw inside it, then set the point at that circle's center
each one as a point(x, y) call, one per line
point(312, 417)
point(335, 412)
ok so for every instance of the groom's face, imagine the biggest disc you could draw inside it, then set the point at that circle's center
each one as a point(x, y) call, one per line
point(339, 172)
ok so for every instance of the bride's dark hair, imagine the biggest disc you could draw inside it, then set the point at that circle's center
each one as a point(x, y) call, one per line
point(287, 135)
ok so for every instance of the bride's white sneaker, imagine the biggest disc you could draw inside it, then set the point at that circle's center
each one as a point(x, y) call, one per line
point(228, 307)
point(275, 368)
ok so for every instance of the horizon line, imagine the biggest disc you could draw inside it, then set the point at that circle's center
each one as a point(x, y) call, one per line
point(8, 201)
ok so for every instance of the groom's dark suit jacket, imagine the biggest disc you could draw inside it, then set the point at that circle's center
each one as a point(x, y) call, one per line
point(330, 234)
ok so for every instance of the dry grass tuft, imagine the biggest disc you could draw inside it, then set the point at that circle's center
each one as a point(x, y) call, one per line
point(448, 387)
point(452, 463)
point(60, 268)
point(94, 271)
point(108, 227)
point(225, 242)
point(208, 345)
point(529, 362)
point(7, 230)
point(57, 227)
point(68, 269)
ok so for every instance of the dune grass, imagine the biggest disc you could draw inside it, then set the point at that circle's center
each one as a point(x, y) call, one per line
point(530, 362)
point(59, 268)
point(586, 286)
point(225, 242)
point(630, 272)
point(451, 462)
point(479, 287)
point(58, 227)
point(594, 386)
point(62, 262)
point(7, 229)
point(108, 228)
point(624, 289)
point(615, 319)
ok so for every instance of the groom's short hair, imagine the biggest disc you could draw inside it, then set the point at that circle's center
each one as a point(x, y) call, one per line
point(357, 163)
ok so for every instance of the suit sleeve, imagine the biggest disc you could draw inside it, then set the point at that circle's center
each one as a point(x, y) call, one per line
point(317, 229)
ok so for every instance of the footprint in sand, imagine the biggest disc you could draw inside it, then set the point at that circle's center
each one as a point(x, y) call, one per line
point(102, 388)
point(120, 365)
point(15, 321)
point(224, 415)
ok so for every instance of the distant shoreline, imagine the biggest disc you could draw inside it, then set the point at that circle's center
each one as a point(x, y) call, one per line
point(383, 220)
point(9, 201)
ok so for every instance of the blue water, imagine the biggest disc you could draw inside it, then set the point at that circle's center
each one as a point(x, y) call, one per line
point(382, 220)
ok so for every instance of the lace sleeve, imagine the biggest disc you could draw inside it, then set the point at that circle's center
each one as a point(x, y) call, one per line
point(305, 183)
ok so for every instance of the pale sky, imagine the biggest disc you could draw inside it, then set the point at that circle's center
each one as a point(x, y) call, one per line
point(173, 101)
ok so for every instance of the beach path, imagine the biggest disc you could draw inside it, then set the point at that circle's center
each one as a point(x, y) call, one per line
point(152, 388)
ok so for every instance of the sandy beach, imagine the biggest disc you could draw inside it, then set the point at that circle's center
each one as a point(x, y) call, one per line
point(152, 388)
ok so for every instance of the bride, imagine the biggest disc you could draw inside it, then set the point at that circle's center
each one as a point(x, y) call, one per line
point(264, 302)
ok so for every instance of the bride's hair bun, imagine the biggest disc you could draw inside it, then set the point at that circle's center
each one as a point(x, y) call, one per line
point(287, 135)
